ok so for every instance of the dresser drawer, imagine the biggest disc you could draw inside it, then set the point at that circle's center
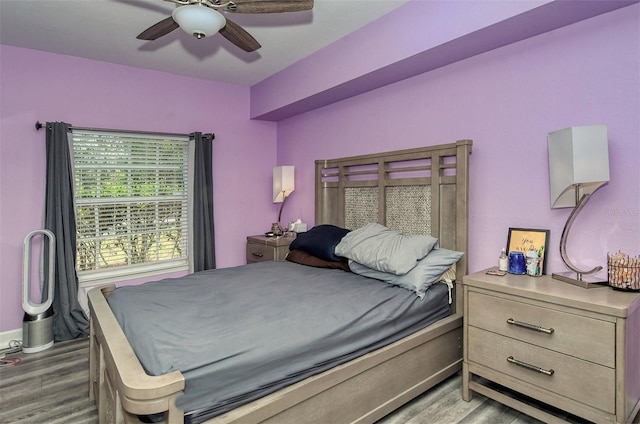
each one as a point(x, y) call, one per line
point(582, 381)
point(260, 253)
point(583, 337)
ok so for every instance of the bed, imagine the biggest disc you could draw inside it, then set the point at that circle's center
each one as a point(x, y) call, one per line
point(422, 191)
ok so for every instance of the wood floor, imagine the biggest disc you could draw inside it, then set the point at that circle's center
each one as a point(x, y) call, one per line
point(51, 387)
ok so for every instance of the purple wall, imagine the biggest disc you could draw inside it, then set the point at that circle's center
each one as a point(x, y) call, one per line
point(506, 100)
point(48, 87)
point(413, 39)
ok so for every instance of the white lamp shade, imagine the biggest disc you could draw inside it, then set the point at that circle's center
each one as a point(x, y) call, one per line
point(283, 182)
point(577, 156)
point(200, 21)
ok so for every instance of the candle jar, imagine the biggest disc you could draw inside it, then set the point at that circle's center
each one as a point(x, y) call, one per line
point(533, 264)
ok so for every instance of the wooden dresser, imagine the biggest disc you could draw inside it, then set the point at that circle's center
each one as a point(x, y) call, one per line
point(265, 249)
point(572, 348)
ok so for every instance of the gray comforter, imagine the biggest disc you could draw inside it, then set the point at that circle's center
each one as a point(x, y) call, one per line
point(240, 333)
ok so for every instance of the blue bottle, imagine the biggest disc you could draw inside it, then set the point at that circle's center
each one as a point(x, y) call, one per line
point(517, 263)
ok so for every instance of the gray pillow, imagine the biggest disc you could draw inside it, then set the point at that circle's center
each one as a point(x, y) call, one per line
point(378, 247)
point(429, 270)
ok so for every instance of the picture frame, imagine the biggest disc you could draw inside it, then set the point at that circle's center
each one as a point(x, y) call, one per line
point(526, 239)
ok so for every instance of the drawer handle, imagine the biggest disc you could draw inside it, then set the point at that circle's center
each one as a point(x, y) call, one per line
point(257, 254)
point(529, 366)
point(533, 327)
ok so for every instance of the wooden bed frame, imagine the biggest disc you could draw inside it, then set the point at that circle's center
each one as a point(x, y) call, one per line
point(422, 190)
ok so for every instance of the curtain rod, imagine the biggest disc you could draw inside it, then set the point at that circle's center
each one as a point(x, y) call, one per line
point(39, 126)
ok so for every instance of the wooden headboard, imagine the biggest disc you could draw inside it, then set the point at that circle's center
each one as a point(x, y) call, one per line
point(415, 191)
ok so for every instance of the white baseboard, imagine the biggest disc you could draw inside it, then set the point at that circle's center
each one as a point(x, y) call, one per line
point(8, 336)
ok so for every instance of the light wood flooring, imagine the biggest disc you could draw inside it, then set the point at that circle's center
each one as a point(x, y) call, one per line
point(51, 387)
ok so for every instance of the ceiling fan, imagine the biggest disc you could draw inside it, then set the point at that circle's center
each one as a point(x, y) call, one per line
point(202, 18)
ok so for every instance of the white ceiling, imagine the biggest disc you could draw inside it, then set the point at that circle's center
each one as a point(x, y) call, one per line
point(106, 30)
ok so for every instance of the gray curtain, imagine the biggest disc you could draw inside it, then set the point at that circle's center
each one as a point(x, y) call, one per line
point(69, 320)
point(204, 252)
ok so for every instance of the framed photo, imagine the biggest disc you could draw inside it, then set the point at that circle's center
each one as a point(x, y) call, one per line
point(526, 239)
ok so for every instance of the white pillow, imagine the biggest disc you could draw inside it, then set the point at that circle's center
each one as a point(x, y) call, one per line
point(378, 247)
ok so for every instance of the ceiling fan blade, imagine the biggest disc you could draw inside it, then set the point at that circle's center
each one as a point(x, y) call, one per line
point(163, 27)
point(269, 6)
point(238, 36)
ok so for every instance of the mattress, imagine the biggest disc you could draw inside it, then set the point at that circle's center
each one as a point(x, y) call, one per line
point(240, 333)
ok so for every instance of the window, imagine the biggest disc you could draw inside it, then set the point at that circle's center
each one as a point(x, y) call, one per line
point(131, 194)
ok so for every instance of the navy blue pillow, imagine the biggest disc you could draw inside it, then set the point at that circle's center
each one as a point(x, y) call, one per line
point(320, 241)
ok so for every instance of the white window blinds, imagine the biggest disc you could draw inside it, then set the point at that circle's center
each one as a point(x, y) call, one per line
point(131, 193)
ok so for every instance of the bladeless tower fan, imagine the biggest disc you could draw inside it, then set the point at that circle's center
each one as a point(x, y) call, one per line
point(37, 325)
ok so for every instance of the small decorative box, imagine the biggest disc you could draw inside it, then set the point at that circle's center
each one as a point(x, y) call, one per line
point(624, 271)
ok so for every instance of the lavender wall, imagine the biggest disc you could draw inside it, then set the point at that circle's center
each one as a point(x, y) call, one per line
point(506, 100)
point(415, 38)
point(48, 87)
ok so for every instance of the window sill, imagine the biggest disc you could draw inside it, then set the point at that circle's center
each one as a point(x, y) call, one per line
point(97, 279)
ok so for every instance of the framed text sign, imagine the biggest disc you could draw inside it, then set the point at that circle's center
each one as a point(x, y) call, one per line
point(528, 239)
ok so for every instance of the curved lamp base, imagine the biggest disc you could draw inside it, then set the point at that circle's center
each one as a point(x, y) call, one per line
point(578, 277)
point(276, 228)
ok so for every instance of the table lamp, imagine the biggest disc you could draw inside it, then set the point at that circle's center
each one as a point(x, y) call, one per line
point(578, 166)
point(283, 186)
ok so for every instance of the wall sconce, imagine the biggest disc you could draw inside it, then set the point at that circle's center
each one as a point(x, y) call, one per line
point(578, 166)
point(283, 186)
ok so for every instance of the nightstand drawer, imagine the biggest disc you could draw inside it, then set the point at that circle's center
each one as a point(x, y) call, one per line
point(583, 381)
point(580, 336)
point(260, 253)
point(266, 249)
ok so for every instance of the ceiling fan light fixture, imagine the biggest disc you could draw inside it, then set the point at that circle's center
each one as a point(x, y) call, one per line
point(199, 21)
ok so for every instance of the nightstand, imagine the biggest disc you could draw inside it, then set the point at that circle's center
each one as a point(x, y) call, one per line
point(265, 249)
point(561, 345)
